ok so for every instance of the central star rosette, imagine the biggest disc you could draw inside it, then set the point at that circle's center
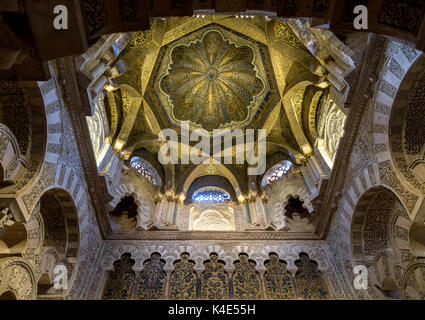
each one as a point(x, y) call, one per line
point(212, 82)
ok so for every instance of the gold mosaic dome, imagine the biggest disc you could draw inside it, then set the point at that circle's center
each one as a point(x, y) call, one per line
point(212, 81)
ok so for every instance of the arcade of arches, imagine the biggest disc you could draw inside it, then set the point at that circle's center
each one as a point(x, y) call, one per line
point(82, 187)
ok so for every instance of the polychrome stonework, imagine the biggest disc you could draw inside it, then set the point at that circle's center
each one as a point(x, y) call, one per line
point(82, 187)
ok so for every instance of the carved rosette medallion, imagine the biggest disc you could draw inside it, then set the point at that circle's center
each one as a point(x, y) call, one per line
point(212, 81)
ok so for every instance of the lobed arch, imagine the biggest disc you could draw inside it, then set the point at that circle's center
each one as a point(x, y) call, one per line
point(310, 280)
point(379, 239)
point(11, 157)
point(60, 203)
point(401, 66)
point(23, 130)
point(126, 212)
point(397, 63)
point(382, 204)
point(216, 249)
point(352, 205)
point(258, 252)
point(54, 239)
point(405, 128)
point(143, 193)
point(136, 254)
point(305, 270)
point(120, 280)
point(48, 261)
point(13, 269)
point(281, 193)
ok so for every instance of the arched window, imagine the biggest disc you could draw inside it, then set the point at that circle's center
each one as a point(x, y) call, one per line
point(276, 172)
point(210, 194)
point(145, 169)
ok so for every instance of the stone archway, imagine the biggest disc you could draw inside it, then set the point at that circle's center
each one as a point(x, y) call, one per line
point(23, 130)
point(17, 277)
point(60, 225)
point(413, 283)
point(405, 129)
point(379, 240)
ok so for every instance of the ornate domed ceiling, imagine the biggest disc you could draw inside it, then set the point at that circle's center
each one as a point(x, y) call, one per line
point(212, 81)
point(213, 77)
point(218, 72)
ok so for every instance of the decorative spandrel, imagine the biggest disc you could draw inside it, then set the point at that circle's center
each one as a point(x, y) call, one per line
point(212, 81)
point(214, 279)
point(120, 281)
point(246, 280)
point(309, 279)
point(183, 279)
point(277, 279)
point(151, 281)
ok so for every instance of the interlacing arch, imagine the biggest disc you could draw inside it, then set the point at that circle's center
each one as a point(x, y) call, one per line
point(174, 275)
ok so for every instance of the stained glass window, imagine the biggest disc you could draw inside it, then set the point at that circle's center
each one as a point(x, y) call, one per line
point(276, 172)
point(210, 194)
point(145, 169)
